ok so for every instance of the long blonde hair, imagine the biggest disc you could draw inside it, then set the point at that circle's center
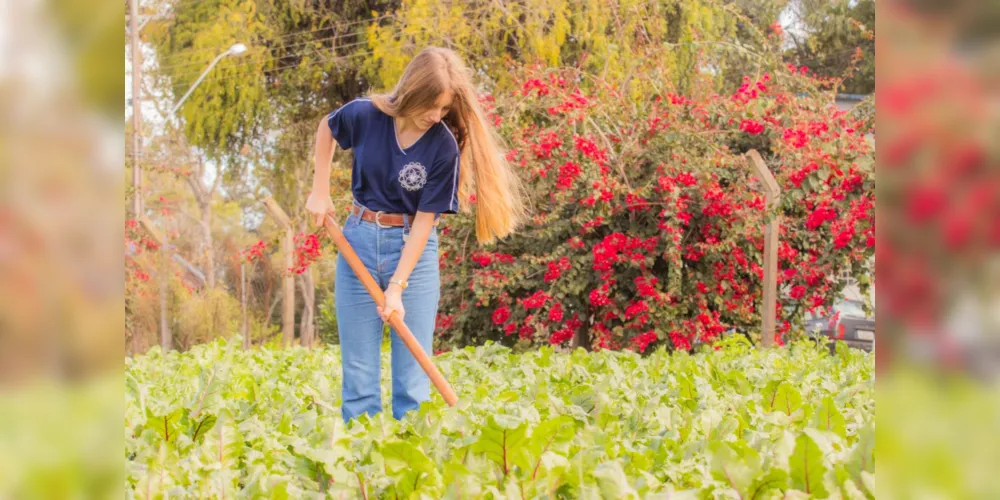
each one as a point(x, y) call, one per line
point(499, 205)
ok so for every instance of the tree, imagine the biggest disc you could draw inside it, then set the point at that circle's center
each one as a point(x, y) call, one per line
point(836, 40)
point(599, 37)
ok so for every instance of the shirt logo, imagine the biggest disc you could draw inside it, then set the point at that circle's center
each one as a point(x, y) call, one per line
point(413, 176)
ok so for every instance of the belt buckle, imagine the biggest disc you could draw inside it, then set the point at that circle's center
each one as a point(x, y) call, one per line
point(378, 222)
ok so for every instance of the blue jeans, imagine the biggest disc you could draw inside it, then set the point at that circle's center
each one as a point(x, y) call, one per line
point(360, 326)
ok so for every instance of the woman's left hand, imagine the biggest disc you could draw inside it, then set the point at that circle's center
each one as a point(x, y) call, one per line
point(393, 302)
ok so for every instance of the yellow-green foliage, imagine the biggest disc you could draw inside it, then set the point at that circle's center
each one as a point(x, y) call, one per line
point(194, 316)
point(204, 315)
point(608, 39)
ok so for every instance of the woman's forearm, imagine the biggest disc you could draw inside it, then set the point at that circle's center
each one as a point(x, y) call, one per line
point(420, 231)
point(322, 158)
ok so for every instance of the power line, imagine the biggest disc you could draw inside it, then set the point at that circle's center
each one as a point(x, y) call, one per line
point(275, 47)
point(369, 22)
point(222, 78)
point(275, 60)
point(279, 69)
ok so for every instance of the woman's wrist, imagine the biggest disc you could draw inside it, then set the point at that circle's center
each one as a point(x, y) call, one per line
point(321, 188)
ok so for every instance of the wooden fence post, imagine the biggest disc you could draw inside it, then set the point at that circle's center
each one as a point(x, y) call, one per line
point(288, 305)
point(771, 192)
point(244, 330)
point(166, 338)
point(288, 299)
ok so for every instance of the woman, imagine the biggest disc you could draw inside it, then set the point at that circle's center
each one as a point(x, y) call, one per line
point(417, 151)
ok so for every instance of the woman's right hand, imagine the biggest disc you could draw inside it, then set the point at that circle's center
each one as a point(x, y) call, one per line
point(318, 205)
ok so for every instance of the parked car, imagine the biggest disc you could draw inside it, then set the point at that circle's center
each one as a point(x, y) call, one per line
point(847, 322)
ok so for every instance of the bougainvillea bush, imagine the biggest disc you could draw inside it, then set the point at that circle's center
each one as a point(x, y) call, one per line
point(221, 422)
point(647, 223)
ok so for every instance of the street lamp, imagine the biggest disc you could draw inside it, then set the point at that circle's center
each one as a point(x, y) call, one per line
point(237, 49)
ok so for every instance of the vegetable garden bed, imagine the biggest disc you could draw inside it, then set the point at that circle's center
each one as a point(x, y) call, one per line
point(733, 422)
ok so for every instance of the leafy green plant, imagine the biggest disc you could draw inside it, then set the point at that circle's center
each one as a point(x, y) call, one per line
point(724, 423)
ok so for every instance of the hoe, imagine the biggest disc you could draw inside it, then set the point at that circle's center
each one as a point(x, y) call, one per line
point(333, 230)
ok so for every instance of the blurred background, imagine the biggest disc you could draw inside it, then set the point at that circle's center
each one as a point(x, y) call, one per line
point(219, 98)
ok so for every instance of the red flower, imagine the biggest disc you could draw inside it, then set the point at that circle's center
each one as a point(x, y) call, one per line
point(547, 142)
point(844, 238)
point(574, 322)
point(796, 138)
point(576, 100)
point(818, 128)
point(636, 308)
point(599, 298)
point(752, 127)
point(925, 203)
point(958, 229)
point(749, 91)
point(556, 269)
point(798, 292)
point(680, 341)
point(501, 315)
point(560, 336)
point(589, 149)
point(504, 258)
point(646, 286)
point(538, 299)
point(665, 183)
point(568, 172)
point(643, 340)
point(254, 252)
point(820, 216)
point(593, 223)
point(444, 321)
point(526, 332)
point(482, 258)
point(305, 253)
point(686, 179)
point(556, 313)
point(800, 175)
point(535, 84)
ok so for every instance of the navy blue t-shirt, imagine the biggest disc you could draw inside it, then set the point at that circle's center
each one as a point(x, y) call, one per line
point(389, 178)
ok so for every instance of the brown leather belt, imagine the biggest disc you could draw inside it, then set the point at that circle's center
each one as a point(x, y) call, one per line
point(383, 218)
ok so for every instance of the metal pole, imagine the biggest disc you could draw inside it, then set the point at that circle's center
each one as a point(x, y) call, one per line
point(198, 81)
point(136, 108)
